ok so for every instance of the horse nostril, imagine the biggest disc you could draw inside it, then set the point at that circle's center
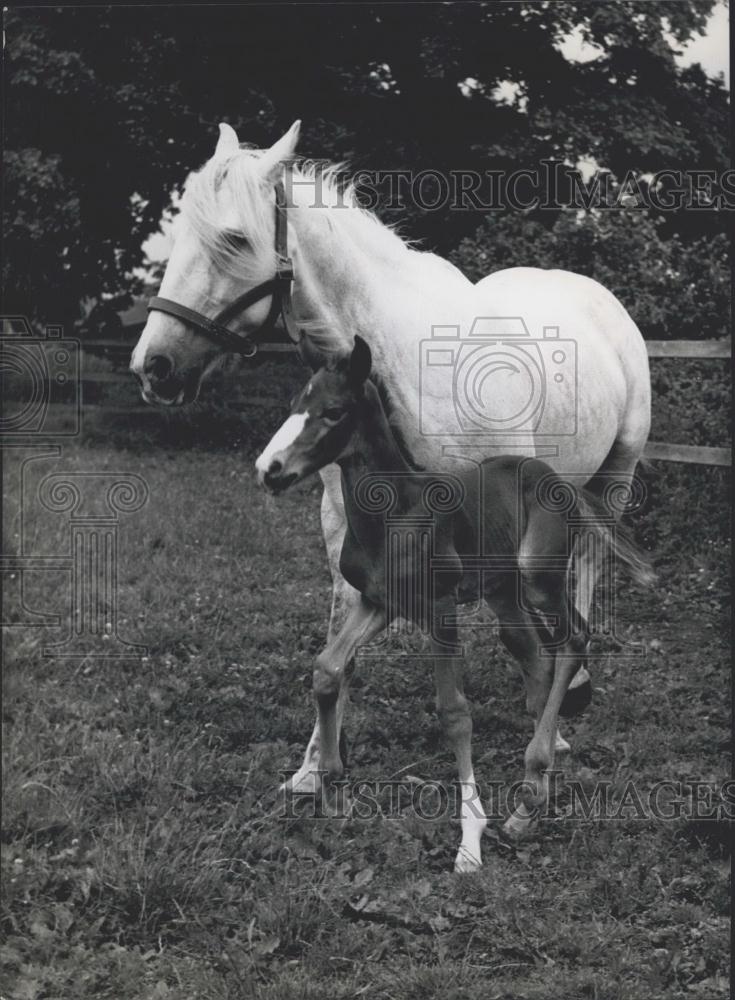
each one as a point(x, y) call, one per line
point(159, 367)
point(275, 467)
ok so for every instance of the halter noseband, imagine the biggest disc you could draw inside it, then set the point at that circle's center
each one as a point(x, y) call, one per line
point(279, 287)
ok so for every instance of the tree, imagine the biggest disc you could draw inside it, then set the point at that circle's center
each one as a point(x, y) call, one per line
point(107, 109)
point(672, 289)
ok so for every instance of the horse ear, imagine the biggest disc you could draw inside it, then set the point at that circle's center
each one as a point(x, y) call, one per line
point(228, 142)
point(361, 361)
point(284, 149)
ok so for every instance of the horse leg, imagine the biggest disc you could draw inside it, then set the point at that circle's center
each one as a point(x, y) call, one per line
point(454, 715)
point(617, 470)
point(546, 589)
point(344, 599)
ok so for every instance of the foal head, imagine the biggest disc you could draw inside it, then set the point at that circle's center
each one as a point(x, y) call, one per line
point(324, 417)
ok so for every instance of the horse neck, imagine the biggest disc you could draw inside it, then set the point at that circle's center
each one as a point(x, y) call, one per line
point(345, 267)
point(354, 277)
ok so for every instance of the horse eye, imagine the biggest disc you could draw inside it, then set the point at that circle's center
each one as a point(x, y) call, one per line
point(236, 239)
point(332, 413)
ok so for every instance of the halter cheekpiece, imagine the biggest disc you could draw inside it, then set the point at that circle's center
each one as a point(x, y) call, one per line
point(279, 287)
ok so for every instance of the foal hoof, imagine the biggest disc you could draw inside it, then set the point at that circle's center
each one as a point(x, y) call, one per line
point(302, 785)
point(560, 744)
point(520, 825)
point(466, 861)
point(576, 700)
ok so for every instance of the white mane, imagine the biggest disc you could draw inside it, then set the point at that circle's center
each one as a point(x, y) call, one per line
point(229, 195)
point(235, 181)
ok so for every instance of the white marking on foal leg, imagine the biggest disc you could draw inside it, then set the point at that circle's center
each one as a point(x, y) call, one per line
point(474, 821)
point(284, 437)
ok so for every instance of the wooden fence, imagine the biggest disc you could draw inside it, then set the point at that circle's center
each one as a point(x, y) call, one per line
point(657, 450)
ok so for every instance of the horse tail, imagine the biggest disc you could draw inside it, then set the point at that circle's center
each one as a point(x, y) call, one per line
point(616, 539)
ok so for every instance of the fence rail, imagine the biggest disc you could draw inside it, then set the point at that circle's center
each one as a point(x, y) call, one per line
point(689, 348)
point(689, 454)
point(655, 450)
point(656, 348)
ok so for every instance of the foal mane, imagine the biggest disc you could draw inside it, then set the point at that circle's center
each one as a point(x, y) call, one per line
point(386, 402)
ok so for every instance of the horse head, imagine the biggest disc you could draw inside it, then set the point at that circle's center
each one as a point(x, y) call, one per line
point(226, 243)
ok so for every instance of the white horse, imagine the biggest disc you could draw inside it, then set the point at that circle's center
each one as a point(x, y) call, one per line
point(527, 361)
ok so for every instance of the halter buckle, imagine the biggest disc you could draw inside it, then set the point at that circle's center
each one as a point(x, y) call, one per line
point(285, 269)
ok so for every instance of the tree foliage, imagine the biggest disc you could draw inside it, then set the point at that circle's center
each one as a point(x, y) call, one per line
point(108, 108)
point(672, 288)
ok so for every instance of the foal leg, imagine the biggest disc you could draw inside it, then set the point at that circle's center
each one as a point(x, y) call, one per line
point(363, 623)
point(344, 599)
point(524, 641)
point(456, 721)
point(539, 756)
point(546, 589)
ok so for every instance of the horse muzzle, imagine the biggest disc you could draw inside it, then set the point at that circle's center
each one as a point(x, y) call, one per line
point(161, 385)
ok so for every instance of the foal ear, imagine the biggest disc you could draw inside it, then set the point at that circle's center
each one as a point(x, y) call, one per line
point(284, 149)
point(228, 142)
point(361, 361)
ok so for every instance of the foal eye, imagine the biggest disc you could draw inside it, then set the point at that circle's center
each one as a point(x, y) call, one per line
point(332, 413)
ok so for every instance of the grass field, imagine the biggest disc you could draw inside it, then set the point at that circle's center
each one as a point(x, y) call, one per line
point(143, 852)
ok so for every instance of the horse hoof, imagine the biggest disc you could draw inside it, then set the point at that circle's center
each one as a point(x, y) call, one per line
point(576, 700)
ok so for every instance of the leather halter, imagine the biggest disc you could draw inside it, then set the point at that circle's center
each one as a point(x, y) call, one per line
point(278, 287)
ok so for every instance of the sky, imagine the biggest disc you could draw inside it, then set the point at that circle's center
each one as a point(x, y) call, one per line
point(711, 49)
